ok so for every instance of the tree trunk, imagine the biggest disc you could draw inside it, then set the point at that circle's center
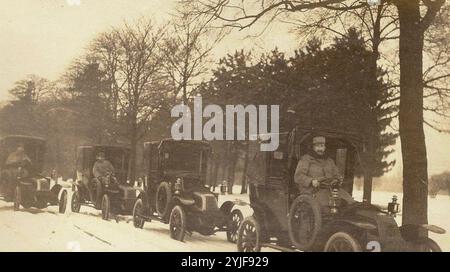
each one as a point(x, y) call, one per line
point(232, 170)
point(367, 193)
point(133, 154)
point(244, 171)
point(214, 173)
point(414, 154)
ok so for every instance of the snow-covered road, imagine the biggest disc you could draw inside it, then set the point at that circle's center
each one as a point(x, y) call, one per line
point(46, 230)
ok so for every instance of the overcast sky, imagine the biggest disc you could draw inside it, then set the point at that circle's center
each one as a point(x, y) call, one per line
point(43, 36)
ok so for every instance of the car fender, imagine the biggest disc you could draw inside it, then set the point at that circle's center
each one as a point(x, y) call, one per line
point(57, 190)
point(434, 228)
point(183, 201)
point(259, 213)
point(412, 232)
point(145, 199)
point(358, 224)
point(226, 207)
point(61, 190)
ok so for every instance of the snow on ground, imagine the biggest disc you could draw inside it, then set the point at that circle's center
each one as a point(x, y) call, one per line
point(47, 230)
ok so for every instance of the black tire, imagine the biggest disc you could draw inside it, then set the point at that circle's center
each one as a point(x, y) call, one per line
point(76, 202)
point(304, 222)
point(138, 210)
point(234, 220)
point(106, 207)
point(177, 223)
point(342, 242)
point(62, 202)
point(427, 245)
point(98, 195)
point(249, 236)
point(163, 199)
point(17, 198)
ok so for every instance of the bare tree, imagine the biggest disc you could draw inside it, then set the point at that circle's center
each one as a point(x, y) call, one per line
point(187, 49)
point(32, 89)
point(437, 72)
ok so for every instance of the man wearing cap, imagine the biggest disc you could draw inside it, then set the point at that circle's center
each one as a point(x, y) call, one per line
point(17, 162)
point(103, 171)
point(315, 167)
point(18, 157)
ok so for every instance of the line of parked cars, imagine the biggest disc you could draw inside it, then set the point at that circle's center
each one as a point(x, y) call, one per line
point(175, 192)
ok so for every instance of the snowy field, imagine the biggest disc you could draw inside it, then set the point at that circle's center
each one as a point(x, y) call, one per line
point(46, 230)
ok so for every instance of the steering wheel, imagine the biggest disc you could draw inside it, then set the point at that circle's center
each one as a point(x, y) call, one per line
point(326, 183)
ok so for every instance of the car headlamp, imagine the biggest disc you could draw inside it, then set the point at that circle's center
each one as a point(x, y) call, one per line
point(179, 185)
point(224, 187)
point(394, 206)
point(334, 198)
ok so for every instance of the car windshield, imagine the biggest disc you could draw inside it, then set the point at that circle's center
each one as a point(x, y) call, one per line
point(181, 157)
point(119, 158)
point(34, 150)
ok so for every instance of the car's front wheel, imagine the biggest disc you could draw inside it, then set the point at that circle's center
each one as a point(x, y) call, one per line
point(177, 223)
point(427, 245)
point(233, 222)
point(76, 202)
point(138, 211)
point(304, 222)
point(249, 236)
point(62, 202)
point(342, 242)
point(106, 207)
point(17, 198)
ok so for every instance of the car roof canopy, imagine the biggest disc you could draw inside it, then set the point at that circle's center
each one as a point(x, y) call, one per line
point(303, 134)
point(171, 143)
point(23, 138)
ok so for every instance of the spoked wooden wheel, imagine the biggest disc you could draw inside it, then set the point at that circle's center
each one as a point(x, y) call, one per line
point(76, 202)
point(63, 202)
point(138, 211)
point(427, 245)
point(304, 222)
point(249, 236)
point(177, 223)
point(17, 198)
point(342, 242)
point(106, 207)
point(234, 221)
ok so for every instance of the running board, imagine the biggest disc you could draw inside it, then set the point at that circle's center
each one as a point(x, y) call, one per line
point(277, 247)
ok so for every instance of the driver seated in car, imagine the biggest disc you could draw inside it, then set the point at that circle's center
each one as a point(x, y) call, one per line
point(18, 158)
point(17, 163)
point(103, 170)
point(315, 167)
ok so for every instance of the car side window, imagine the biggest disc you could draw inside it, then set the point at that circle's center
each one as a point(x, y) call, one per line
point(341, 159)
point(153, 158)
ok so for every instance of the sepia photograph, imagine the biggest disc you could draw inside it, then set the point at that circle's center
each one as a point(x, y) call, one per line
point(225, 126)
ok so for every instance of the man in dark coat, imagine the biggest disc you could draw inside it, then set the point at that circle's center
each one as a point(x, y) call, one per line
point(316, 167)
point(103, 172)
point(17, 161)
